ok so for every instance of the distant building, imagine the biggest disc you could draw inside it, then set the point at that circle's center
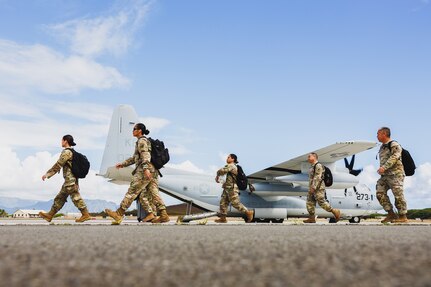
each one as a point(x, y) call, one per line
point(73, 215)
point(27, 213)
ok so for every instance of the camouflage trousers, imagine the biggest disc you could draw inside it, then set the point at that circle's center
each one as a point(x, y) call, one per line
point(148, 192)
point(319, 197)
point(396, 184)
point(61, 198)
point(230, 196)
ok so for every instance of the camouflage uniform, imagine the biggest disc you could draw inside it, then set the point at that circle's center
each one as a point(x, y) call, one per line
point(230, 190)
point(393, 178)
point(316, 183)
point(146, 189)
point(70, 185)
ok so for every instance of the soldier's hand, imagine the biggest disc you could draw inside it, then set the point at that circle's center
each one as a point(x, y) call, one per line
point(216, 179)
point(381, 171)
point(311, 190)
point(44, 177)
point(147, 173)
point(118, 166)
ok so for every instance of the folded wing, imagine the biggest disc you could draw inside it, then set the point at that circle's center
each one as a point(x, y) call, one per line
point(327, 155)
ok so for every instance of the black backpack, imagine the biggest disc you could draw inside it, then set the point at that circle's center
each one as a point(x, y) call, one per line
point(159, 154)
point(241, 179)
point(407, 160)
point(327, 175)
point(80, 164)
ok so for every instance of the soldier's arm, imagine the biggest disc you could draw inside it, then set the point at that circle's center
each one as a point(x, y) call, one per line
point(395, 156)
point(65, 156)
point(144, 152)
point(317, 177)
point(224, 170)
point(127, 162)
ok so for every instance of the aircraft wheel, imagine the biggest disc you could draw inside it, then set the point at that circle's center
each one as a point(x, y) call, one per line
point(355, 219)
point(277, 220)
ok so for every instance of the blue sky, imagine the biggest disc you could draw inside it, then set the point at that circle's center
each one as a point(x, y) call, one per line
point(266, 80)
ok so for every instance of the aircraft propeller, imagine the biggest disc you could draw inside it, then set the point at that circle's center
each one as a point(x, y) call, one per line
point(349, 166)
point(352, 171)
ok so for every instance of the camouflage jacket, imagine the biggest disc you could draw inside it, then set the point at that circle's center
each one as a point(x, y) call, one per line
point(231, 171)
point(315, 176)
point(65, 162)
point(141, 157)
point(390, 159)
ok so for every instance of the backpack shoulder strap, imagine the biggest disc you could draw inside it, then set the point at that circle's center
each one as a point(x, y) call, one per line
point(73, 153)
point(317, 164)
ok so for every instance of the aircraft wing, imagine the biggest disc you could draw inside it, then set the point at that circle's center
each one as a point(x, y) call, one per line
point(327, 155)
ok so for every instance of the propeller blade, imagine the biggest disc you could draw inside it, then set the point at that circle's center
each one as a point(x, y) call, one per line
point(356, 172)
point(350, 165)
point(352, 162)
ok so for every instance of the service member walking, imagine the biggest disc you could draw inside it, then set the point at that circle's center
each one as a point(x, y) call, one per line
point(316, 192)
point(70, 186)
point(230, 190)
point(392, 175)
point(144, 181)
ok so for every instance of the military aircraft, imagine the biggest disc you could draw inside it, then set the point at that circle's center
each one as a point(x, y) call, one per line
point(276, 192)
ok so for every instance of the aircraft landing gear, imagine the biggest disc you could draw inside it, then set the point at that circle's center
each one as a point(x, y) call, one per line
point(268, 220)
point(355, 219)
point(277, 220)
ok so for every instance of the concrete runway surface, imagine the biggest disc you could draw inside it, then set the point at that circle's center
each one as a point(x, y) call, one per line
point(215, 255)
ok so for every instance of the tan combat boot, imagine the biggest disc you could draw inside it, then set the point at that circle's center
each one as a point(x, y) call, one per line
point(116, 215)
point(222, 219)
point(401, 219)
point(390, 217)
point(164, 217)
point(47, 216)
point(84, 217)
point(249, 214)
point(337, 214)
point(149, 217)
point(311, 219)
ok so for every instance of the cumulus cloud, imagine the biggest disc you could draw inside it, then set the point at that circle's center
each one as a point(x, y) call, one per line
point(187, 166)
point(43, 69)
point(96, 36)
point(22, 179)
point(155, 124)
point(44, 123)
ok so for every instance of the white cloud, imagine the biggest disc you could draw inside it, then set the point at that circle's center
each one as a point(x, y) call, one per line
point(112, 34)
point(154, 124)
point(187, 166)
point(79, 110)
point(41, 68)
point(22, 179)
point(223, 156)
point(41, 125)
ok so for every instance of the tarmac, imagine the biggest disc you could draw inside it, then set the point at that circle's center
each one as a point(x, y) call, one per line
point(35, 253)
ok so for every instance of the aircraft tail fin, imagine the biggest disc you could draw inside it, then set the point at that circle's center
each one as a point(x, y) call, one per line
point(120, 142)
